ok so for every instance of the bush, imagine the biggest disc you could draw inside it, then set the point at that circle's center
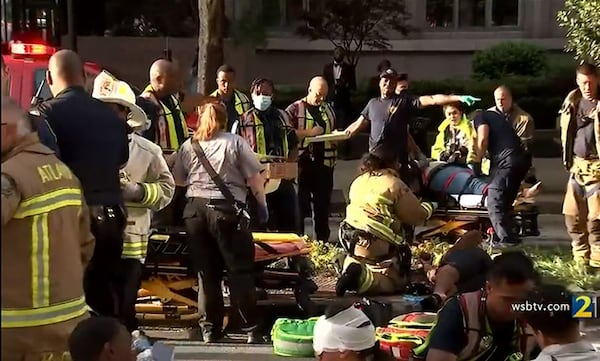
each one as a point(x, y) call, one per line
point(509, 59)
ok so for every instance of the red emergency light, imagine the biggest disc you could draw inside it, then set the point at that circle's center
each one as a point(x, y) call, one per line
point(24, 49)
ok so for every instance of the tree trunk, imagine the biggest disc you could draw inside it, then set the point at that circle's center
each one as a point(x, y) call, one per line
point(211, 15)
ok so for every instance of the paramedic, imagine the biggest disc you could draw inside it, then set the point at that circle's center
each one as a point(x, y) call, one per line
point(236, 102)
point(217, 230)
point(378, 259)
point(92, 142)
point(558, 332)
point(147, 185)
point(456, 136)
point(580, 136)
point(509, 165)
point(389, 116)
point(312, 116)
point(46, 244)
point(456, 335)
point(344, 332)
point(268, 131)
point(519, 119)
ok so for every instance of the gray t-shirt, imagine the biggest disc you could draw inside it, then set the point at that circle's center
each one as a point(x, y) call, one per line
point(231, 157)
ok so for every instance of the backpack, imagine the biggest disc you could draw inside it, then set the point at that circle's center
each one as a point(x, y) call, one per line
point(293, 337)
point(404, 333)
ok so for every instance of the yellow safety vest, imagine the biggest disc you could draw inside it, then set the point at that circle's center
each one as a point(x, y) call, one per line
point(241, 102)
point(166, 124)
point(306, 121)
point(253, 130)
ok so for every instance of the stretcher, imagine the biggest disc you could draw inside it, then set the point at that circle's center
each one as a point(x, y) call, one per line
point(170, 286)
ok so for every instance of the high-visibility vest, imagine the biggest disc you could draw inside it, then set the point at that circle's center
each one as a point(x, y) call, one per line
point(306, 121)
point(253, 130)
point(45, 242)
point(479, 333)
point(166, 133)
point(241, 103)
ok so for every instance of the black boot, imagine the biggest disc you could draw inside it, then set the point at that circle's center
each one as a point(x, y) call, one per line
point(211, 334)
point(256, 337)
point(349, 281)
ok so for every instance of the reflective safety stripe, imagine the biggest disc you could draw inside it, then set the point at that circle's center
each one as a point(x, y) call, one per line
point(260, 140)
point(428, 208)
point(136, 250)
point(40, 316)
point(49, 202)
point(172, 142)
point(151, 194)
point(40, 261)
point(306, 121)
point(241, 101)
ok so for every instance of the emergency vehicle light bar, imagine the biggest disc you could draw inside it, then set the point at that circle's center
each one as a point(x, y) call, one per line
point(31, 49)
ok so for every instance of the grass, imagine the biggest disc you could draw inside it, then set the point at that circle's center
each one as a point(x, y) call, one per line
point(554, 263)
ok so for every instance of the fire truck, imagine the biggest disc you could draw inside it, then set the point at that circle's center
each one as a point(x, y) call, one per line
point(29, 38)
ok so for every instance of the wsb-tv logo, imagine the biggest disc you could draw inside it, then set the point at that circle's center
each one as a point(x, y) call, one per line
point(584, 306)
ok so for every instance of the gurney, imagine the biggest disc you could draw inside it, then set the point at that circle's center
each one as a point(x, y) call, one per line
point(170, 286)
point(460, 210)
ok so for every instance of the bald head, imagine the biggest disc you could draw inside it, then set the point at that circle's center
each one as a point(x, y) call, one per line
point(503, 99)
point(15, 124)
point(65, 70)
point(164, 77)
point(317, 90)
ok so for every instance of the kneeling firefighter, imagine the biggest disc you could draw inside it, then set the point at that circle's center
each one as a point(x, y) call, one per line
point(381, 205)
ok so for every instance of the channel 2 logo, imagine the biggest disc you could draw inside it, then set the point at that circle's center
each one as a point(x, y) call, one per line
point(583, 306)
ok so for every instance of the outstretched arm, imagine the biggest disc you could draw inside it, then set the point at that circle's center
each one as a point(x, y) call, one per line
point(440, 99)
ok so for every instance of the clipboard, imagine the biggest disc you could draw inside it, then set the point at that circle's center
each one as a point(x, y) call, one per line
point(336, 135)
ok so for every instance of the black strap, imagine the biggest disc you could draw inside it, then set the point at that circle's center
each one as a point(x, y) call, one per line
point(213, 174)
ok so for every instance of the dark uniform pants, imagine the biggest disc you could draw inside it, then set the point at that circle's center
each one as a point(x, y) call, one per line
point(502, 192)
point(108, 224)
point(284, 214)
point(170, 216)
point(127, 284)
point(217, 245)
point(315, 184)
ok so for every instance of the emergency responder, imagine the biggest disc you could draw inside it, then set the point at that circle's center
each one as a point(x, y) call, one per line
point(509, 165)
point(147, 186)
point(379, 259)
point(268, 131)
point(236, 102)
point(312, 116)
point(46, 244)
point(557, 331)
point(455, 141)
point(519, 119)
point(580, 136)
point(95, 150)
point(216, 166)
point(457, 334)
point(389, 116)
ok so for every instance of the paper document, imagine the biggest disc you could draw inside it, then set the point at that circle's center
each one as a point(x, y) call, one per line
point(336, 135)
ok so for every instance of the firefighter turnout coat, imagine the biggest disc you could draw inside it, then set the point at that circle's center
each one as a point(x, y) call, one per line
point(147, 167)
point(46, 244)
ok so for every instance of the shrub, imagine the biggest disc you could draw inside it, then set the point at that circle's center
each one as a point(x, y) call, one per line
point(509, 58)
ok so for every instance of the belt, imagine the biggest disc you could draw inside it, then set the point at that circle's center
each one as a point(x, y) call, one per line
point(215, 202)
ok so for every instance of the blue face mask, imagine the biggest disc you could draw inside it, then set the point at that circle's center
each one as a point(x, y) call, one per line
point(262, 102)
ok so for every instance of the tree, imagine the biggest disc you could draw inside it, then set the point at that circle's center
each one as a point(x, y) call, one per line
point(580, 18)
point(355, 24)
point(211, 15)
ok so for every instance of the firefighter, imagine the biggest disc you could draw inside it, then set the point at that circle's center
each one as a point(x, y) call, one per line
point(378, 260)
point(580, 135)
point(268, 131)
point(236, 102)
point(312, 116)
point(457, 334)
point(46, 244)
point(147, 186)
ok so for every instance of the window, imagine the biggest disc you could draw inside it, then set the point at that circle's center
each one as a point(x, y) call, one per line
point(285, 13)
point(456, 14)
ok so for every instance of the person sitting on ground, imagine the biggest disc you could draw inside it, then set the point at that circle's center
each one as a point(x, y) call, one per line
point(345, 332)
point(101, 339)
point(373, 232)
point(455, 140)
point(457, 336)
point(557, 332)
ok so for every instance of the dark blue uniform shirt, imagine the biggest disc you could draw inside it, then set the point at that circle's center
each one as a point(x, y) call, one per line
point(503, 141)
point(91, 140)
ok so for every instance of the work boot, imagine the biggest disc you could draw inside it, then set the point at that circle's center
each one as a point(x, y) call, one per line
point(256, 337)
point(210, 334)
point(349, 281)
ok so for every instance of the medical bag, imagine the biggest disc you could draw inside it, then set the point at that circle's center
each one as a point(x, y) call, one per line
point(293, 337)
point(404, 333)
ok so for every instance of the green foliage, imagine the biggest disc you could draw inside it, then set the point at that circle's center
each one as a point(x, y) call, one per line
point(580, 18)
point(249, 28)
point(355, 24)
point(509, 59)
point(325, 257)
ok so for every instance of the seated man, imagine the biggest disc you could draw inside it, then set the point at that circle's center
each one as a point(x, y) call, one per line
point(459, 335)
point(558, 332)
point(373, 234)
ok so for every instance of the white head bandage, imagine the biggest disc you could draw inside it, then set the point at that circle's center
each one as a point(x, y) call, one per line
point(348, 330)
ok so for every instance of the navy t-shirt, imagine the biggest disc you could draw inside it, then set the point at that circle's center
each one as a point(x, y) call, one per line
point(503, 140)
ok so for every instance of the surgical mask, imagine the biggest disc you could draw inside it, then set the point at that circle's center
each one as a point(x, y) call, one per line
point(262, 102)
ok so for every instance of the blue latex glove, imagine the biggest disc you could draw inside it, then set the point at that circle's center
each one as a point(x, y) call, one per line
point(469, 100)
point(263, 214)
point(476, 168)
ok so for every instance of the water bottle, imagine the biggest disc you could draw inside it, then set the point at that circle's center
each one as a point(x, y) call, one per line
point(140, 343)
point(145, 355)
